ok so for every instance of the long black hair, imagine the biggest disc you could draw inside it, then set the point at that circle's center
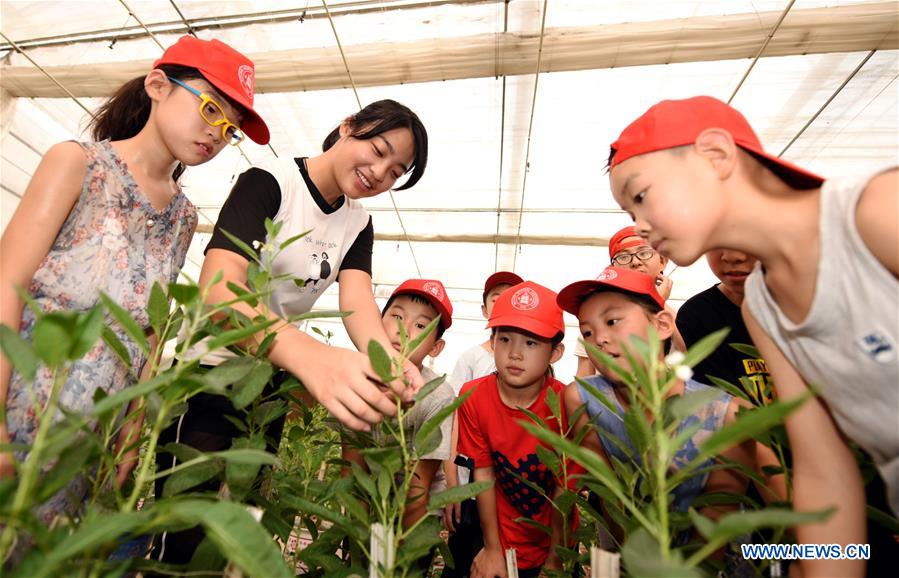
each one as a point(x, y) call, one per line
point(127, 111)
point(380, 117)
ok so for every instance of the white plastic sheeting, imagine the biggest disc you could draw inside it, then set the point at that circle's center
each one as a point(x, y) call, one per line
point(559, 190)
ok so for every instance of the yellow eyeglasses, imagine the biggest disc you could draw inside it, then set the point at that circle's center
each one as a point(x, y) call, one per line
point(213, 115)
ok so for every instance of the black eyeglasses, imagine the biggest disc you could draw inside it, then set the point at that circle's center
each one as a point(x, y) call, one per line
point(625, 258)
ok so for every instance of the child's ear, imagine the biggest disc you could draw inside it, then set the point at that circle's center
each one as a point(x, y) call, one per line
point(438, 347)
point(157, 84)
point(663, 321)
point(484, 311)
point(558, 350)
point(718, 147)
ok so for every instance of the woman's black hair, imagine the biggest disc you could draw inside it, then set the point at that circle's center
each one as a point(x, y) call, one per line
point(380, 117)
point(127, 111)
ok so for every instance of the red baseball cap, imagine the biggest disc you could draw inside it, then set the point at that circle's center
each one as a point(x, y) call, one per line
point(673, 123)
point(229, 71)
point(434, 292)
point(500, 278)
point(571, 297)
point(530, 307)
point(616, 243)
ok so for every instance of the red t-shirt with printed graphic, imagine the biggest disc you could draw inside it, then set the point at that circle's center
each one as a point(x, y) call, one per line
point(490, 434)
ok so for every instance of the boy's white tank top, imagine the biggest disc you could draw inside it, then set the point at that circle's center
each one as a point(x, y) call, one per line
point(847, 345)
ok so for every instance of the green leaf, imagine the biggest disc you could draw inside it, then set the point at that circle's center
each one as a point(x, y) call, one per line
point(705, 526)
point(592, 390)
point(184, 294)
point(157, 308)
point(380, 361)
point(434, 422)
point(52, 337)
point(385, 482)
point(312, 509)
point(535, 524)
point(727, 386)
point(228, 372)
point(246, 456)
point(93, 533)
point(262, 350)
point(884, 519)
point(642, 556)
point(552, 400)
point(241, 245)
point(127, 323)
point(594, 464)
point(143, 388)
point(191, 477)
point(682, 406)
point(234, 336)
point(258, 277)
point(291, 240)
point(748, 425)
point(250, 387)
point(419, 542)
point(87, 331)
point(457, 494)
point(240, 473)
point(738, 523)
point(363, 479)
point(272, 228)
point(174, 326)
point(70, 463)
point(240, 538)
point(19, 352)
point(637, 428)
point(548, 458)
point(747, 349)
point(241, 292)
point(624, 375)
point(354, 507)
point(429, 388)
point(420, 338)
point(705, 346)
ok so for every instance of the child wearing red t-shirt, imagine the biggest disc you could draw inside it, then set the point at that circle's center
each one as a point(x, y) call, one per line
point(527, 337)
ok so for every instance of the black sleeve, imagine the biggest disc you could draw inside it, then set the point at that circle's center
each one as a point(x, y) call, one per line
point(359, 255)
point(255, 196)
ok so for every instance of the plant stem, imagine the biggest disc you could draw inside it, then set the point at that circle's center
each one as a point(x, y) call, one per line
point(32, 463)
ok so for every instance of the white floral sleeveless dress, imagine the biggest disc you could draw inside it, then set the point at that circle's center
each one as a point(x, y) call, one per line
point(113, 241)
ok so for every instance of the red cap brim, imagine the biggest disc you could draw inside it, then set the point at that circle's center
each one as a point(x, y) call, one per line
point(252, 124)
point(529, 324)
point(446, 318)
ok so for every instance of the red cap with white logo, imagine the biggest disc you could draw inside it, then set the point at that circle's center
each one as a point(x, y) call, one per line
point(434, 292)
point(530, 307)
point(229, 71)
point(673, 123)
point(571, 297)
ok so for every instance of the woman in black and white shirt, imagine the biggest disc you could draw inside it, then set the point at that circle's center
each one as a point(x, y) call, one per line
point(363, 157)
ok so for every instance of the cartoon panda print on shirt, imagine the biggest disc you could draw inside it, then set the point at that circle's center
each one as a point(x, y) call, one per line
point(319, 270)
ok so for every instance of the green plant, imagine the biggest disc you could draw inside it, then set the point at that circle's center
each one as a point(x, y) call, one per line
point(69, 446)
point(372, 500)
point(635, 493)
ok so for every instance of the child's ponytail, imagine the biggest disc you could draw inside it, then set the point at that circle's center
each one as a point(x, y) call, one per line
point(124, 114)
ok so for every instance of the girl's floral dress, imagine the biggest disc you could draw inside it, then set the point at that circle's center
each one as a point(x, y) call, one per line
point(116, 242)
